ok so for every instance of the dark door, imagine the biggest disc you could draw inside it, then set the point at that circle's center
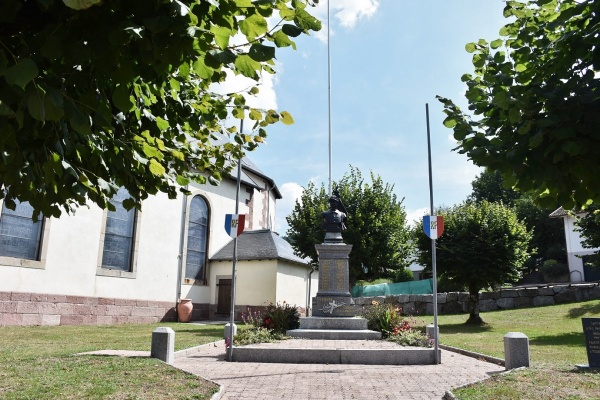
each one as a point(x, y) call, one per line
point(591, 272)
point(224, 300)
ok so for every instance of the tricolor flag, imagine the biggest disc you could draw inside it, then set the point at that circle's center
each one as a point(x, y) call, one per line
point(234, 224)
point(433, 225)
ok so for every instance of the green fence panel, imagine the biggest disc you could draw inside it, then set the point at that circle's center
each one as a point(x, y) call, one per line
point(424, 286)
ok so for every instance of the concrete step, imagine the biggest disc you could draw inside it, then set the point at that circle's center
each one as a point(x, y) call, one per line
point(335, 334)
point(400, 356)
point(352, 323)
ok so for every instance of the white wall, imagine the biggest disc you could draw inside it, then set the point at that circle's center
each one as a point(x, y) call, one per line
point(575, 250)
point(255, 281)
point(292, 283)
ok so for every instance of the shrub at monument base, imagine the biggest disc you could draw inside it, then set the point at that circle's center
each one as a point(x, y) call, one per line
point(394, 327)
point(269, 326)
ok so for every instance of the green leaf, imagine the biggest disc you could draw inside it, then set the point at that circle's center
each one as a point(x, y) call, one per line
point(247, 66)
point(450, 122)
point(222, 35)
point(514, 115)
point(282, 40)
point(470, 47)
point(286, 118)
point(260, 52)
point(306, 21)
point(151, 151)
point(122, 98)
point(291, 30)
point(182, 181)
point(254, 26)
point(53, 104)
point(23, 72)
point(255, 115)
point(202, 69)
point(156, 168)
point(36, 104)
point(496, 43)
point(162, 124)
point(238, 113)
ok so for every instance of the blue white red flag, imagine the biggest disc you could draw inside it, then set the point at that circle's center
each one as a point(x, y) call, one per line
point(234, 224)
point(433, 225)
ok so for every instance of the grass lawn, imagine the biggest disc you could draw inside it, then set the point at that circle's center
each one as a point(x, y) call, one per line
point(556, 344)
point(39, 363)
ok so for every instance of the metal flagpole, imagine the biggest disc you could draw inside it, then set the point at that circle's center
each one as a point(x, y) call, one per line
point(237, 206)
point(329, 93)
point(433, 256)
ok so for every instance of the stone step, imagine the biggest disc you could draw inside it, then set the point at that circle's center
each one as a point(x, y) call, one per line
point(335, 334)
point(346, 323)
point(401, 356)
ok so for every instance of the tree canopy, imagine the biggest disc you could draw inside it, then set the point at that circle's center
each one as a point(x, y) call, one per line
point(533, 101)
point(375, 227)
point(548, 241)
point(589, 227)
point(100, 95)
point(483, 245)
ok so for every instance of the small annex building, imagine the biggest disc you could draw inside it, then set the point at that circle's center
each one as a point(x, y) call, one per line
point(131, 266)
point(267, 270)
point(579, 268)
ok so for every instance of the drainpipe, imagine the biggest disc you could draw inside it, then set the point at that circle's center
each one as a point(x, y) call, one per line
point(312, 269)
point(181, 239)
point(269, 206)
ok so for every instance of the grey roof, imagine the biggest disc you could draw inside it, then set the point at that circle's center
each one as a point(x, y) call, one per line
point(559, 212)
point(262, 244)
point(248, 165)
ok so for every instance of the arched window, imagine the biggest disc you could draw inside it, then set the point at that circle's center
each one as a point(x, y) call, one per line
point(118, 235)
point(20, 237)
point(197, 239)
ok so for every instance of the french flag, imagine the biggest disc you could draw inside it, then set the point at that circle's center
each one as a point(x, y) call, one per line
point(234, 224)
point(433, 225)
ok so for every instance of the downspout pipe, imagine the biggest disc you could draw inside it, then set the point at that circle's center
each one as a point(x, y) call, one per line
point(181, 240)
point(312, 269)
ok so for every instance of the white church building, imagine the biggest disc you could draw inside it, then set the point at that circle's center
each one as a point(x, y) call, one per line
point(104, 267)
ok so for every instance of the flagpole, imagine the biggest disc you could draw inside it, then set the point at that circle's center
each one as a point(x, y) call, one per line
point(433, 255)
point(237, 207)
point(329, 95)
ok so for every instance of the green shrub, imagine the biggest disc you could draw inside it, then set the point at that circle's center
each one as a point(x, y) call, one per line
point(256, 335)
point(281, 317)
point(554, 269)
point(403, 275)
point(373, 282)
point(411, 337)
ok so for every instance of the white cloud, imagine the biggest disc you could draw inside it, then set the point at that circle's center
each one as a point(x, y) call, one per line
point(414, 217)
point(290, 192)
point(347, 13)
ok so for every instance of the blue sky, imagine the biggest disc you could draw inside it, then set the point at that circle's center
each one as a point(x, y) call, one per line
point(388, 59)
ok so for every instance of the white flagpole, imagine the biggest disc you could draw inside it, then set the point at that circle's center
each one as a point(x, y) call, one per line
point(329, 93)
point(237, 209)
point(433, 255)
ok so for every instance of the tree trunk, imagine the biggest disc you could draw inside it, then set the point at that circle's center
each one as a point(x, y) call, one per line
point(474, 318)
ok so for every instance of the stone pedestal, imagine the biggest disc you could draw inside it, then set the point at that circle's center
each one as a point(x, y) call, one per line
point(333, 297)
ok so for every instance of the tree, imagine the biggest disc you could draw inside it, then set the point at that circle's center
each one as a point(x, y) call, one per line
point(483, 245)
point(489, 186)
point(548, 241)
point(534, 96)
point(375, 227)
point(99, 95)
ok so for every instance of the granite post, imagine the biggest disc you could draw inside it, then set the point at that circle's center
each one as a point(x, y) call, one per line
point(516, 350)
point(163, 344)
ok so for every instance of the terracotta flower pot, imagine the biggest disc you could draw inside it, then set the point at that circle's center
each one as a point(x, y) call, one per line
point(184, 310)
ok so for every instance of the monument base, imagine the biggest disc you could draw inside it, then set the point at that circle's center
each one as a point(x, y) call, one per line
point(334, 306)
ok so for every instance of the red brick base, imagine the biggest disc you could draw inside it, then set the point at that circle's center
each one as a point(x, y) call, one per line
point(25, 309)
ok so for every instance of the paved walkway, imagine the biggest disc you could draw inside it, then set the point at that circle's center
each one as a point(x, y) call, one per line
point(321, 381)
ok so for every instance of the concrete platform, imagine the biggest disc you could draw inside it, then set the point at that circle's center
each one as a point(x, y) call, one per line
point(334, 334)
point(303, 351)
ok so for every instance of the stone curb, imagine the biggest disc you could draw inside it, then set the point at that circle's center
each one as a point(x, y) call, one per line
point(479, 356)
point(449, 395)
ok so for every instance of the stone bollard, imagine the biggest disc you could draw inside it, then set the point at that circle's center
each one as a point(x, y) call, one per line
point(516, 350)
point(226, 333)
point(432, 334)
point(163, 345)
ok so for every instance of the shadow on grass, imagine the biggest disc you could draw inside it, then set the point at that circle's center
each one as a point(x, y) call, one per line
point(564, 339)
point(464, 328)
point(583, 309)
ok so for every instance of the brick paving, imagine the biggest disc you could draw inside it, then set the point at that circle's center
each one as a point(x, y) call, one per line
point(335, 381)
